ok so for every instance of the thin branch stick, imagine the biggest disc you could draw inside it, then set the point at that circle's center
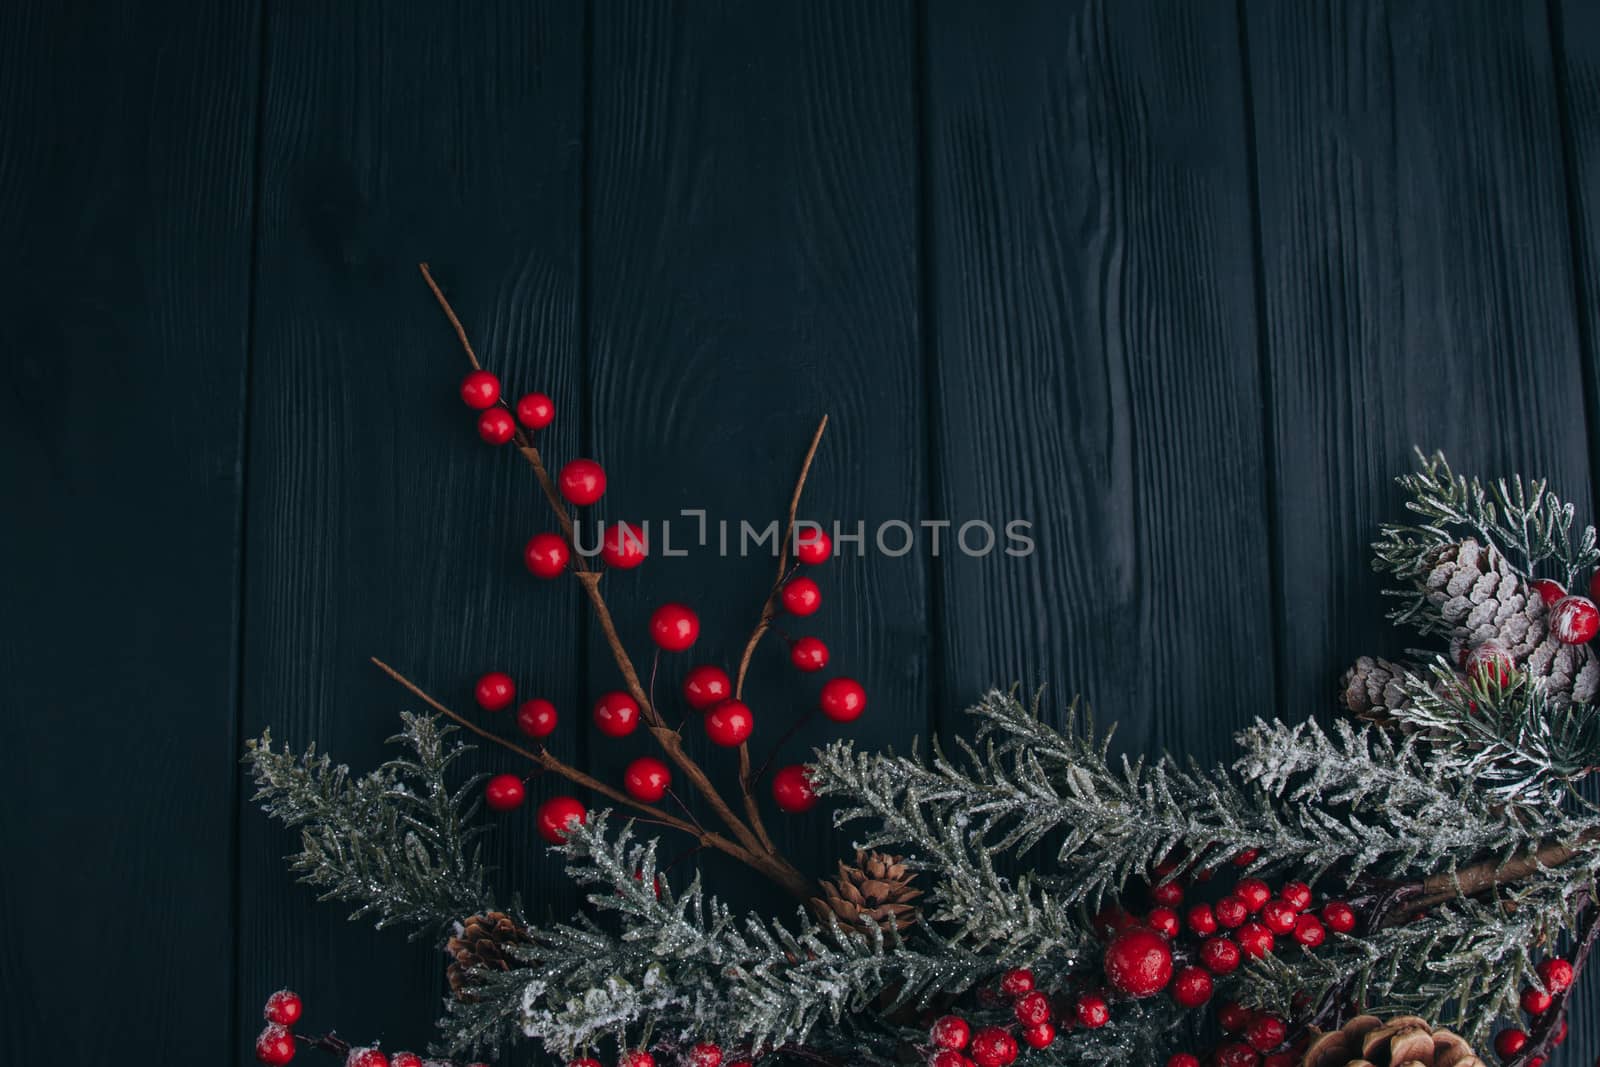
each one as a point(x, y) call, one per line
point(1481, 877)
point(1542, 1034)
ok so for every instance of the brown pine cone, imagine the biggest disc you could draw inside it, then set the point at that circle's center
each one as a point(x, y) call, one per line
point(1372, 688)
point(877, 890)
point(1403, 1041)
point(481, 945)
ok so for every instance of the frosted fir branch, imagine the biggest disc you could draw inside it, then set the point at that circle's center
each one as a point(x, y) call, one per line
point(395, 841)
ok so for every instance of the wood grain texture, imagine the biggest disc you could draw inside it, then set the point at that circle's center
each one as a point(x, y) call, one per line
point(1096, 359)
point(753, 235)
point(123, 306)
point(378, 523)
point(1416, 274)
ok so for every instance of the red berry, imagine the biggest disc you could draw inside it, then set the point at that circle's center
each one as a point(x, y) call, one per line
point(1309, 931)
point(366, 1057)
point(582, 481)
point(1220, 955)
point(494, 691)
point(1202, 920)
point(1092, 1012)
point(1556, 974)
point(705, 1054)
point(1536, 1001)
point(623, 546)
point(792, 791)
point(951, 1032)
point(495, 426)
point(504, 792)
point(557, 815)
point(1163, 921)
point(1192, 987)
point(1110, 920)
point(1278, 916)
point(616, 714)
point(674, 627)
point(1254, 892)
point(1138, 962)
point(1550, 590)
point(1266, 1032)
point(801, 596)
point(843, 699)
point(1255, 940)
point(1339, 916)
point(1237, 1054)
point(812, 545)
point(730, 723)
point(1032, 1009)
point(1016, 982)
point(537, 718)
point(1560, 1035)
point(1231, 911)
point(808, 654)
point(480, 389)
point(1574, 620)
point(1233, 1017)
point(706, 687)
point(405, 1059)
point(274, 1045)
point(1183, 1059)
point(1507, 1043)
point(647, 779)
point(640, 1058)
point(1168, 894)
point(283, 1008)
point(536, 411)
point(1040, 1035)
point(546, 555)
point(993, 1047)
point(1246, 858)
point(1296, 894)
point(1489, 661)
point(943, 1058)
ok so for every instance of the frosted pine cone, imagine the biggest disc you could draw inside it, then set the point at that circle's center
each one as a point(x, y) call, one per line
point(1372, 687)
point(1404, 1041)
point(481, 945)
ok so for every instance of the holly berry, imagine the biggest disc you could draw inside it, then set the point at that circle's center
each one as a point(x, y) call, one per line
point(1138, 962)
point(405, 1059)
point(1231, 911)
point(1246, 858)
point(1489, 661)
point(705, 1054)
point(1296, 894)
point(623, 546)
point(706, 687)
point(1168, 894)
point(993, 1047)
point(674, 627)
point(546, 555)
point(1192, 987)
point(1556, 974)
point(1091, 1011)
point(1202, 920)
point(274, 1045)
point(536, 411)
point(1017, 982)
point(582, 481)
point(1574, 620)
point(1266, 1032)
point(556, 816)
point(494, 691)
point(1309, 931)
point(480, 389)
point(639, 1058)
point(495, 426)
point(1183, 1059)
point(943, 1058)
point(1220, 956)
point(1278, 916)
point(812, 546)
point(1163, 921)
point(1255, 940)
point(283, 1008)
point(843, 699)
point(1507, 1043)
point(366, 1057)
point(808, 654)
point(1237, 1054)
point(647, 779)
point(616, 714)
point(730, 723)
point(801, 596)
point(1339, 916)
point(537, 717)
point(1550, 590)
point(951, 1032)
point(1032, 1009)
point(1233, 1017)
point(504, 792)
point(1536, 1001)
point(1040, 1035)
point(1254, 892)
point(792, 790)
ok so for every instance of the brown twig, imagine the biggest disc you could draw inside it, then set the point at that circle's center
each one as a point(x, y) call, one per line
point(1542, 1034)
point(1482, 877)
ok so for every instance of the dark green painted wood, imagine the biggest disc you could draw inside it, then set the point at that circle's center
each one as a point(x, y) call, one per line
point(126, 159)
point(1094, 322)
point(378, 523)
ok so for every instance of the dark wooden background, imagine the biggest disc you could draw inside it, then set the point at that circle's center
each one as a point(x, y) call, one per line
point(1180, 282)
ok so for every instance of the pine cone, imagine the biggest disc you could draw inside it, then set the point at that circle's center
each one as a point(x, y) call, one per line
point(1371, 689)
point(481, 944)
point(1403, 1041)
point(877, 890)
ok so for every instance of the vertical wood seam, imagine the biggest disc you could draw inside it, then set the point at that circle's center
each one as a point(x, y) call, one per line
point(586, 199)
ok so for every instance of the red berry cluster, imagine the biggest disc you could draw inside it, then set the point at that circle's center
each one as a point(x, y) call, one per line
point(704, 1054)
point(953, 1043)
point(496, 691)
point(275, 1043)
point(1574, 620)
point(1556, 976)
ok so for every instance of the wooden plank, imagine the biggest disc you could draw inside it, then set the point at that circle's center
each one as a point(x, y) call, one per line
point(1416, 280)
point(378, 523)
point(754, 266)
point(1097, 369)
point(125, 206)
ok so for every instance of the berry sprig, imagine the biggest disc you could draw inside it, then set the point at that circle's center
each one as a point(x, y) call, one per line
point(277, 1043)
